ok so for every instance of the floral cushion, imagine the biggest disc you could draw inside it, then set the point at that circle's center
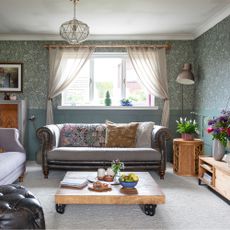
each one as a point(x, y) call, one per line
point(83, 135)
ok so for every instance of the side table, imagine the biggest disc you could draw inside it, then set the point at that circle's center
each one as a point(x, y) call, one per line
point(186, 156)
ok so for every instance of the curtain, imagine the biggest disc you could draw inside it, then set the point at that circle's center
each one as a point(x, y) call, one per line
point(150, 66)
point(64, 66)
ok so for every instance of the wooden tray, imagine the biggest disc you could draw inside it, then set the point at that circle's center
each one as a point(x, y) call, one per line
point(90, 187)
point(128, 190)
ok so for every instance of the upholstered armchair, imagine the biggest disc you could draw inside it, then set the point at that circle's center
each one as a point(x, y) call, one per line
point(12, 156)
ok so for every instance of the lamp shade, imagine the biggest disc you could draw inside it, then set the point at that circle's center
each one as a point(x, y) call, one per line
point(186, 76)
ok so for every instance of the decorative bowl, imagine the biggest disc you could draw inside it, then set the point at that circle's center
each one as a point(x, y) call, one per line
point(128, 184)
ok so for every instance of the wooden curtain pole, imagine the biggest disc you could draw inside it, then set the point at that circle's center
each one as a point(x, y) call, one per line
point(167, 46)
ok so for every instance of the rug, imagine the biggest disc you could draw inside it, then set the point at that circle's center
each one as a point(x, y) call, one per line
point(188, 206)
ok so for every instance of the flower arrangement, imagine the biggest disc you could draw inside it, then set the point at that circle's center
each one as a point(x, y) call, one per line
point(187, 126)
point(117, 165)
point(219, 127)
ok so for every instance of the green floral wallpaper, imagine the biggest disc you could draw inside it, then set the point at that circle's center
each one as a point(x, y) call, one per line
point(35, 68)
point(212, 71)
point(212, 67)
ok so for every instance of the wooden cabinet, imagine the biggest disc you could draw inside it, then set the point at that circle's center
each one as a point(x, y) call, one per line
point(215, 174)
point(13, 115)
point(186, 156)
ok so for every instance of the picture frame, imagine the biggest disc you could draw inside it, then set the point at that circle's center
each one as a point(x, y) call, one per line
point(11, 77)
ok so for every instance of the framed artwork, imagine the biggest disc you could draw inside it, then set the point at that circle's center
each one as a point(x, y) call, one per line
point(10, 77)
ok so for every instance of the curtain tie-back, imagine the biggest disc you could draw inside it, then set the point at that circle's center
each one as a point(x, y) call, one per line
point(166, 99)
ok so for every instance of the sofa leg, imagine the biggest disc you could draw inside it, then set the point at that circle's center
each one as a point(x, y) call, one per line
point(162, 174)
point(46, 173)
point(20, 179)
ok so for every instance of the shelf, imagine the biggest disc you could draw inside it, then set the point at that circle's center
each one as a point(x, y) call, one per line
point(207, 167)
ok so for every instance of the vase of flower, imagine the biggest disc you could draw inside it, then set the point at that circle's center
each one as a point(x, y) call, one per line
point(116, 166)
point(219, 128)
point(218, 150)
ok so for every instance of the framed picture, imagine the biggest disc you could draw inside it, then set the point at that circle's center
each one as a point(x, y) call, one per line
point(10, 77)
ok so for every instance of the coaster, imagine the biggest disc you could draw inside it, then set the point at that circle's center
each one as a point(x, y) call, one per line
point(128, 190)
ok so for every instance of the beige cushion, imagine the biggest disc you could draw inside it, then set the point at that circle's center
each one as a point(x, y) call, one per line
point(121, 135)
point(144, 132)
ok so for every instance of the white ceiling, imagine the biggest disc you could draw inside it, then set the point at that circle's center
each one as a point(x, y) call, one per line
point(111, 19)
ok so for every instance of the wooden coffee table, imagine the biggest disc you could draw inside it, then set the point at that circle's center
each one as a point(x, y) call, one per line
point(148, 196)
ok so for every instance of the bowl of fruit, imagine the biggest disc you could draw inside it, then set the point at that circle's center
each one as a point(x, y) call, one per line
point(128, 181)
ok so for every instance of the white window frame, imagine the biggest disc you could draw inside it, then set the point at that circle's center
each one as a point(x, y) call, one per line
point(123, 56)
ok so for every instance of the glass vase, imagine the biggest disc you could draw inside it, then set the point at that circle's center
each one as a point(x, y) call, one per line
point(117, 176)
point(218, 150)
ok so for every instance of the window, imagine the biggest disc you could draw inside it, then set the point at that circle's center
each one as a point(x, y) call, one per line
point(106, 72)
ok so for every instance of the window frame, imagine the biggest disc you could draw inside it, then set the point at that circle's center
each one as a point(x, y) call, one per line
point(123, 56)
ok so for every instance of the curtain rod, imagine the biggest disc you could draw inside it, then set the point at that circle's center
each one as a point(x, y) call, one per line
point(167, 46)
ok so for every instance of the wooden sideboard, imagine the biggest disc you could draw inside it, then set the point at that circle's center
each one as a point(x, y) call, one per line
point(186, 156)
point(215, 174)
point(13, 115)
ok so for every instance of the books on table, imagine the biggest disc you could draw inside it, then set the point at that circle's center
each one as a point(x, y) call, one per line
point(76, 182)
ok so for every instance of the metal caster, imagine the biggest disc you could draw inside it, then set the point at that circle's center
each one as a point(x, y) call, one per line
point(149, 209)
point(60, 208)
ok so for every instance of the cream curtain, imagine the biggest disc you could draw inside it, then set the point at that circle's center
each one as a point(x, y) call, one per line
point(64, 66)
point(150, 66)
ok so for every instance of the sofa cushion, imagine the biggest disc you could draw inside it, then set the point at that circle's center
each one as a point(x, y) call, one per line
point(10, 161)
point(103, 154)
point(121, 135)
point(80, 135)
point(144, 132)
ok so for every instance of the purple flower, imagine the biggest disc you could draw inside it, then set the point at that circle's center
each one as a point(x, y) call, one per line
point(216, 131)
point(211, 122)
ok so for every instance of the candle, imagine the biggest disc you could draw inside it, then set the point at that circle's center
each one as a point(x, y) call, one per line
point(100, 173)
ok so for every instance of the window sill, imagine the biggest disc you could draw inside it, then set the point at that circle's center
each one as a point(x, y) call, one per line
point(107, 108)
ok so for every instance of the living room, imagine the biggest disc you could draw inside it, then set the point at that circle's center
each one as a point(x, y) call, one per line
point(200, 38)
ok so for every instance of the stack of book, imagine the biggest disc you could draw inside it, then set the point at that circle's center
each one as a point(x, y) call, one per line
point(207, 177)
point(74, 182)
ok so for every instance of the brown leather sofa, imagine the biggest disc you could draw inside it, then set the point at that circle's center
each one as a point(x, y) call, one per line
point(56, 155)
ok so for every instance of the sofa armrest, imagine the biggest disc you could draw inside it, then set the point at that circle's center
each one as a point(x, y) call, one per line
point(9, 140)
point(49, 136)
point(160, 135)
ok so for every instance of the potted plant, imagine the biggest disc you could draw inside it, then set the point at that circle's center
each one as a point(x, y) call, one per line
point(187, 128)
point(219, 128)
point(107, 99)
point(126, 102)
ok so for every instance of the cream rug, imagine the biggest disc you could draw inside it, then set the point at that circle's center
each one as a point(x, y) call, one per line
point(188, 206)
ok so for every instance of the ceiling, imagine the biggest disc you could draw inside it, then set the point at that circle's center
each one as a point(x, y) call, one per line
point(111, 19)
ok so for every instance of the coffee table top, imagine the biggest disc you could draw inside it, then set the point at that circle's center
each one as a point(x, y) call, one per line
point(149, 192)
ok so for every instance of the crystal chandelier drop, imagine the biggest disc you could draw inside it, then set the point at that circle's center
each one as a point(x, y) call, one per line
point(74, 31)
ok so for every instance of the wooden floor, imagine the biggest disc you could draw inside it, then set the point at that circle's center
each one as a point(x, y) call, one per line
point(148, 192)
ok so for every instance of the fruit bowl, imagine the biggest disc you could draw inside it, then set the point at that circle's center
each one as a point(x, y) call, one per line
point(125, 184)
point(128, 181)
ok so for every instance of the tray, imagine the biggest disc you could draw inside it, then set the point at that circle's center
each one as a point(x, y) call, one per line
point(91, 188)
point(129, 191)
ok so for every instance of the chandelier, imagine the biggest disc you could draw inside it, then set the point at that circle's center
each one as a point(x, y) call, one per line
point(74, 31)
